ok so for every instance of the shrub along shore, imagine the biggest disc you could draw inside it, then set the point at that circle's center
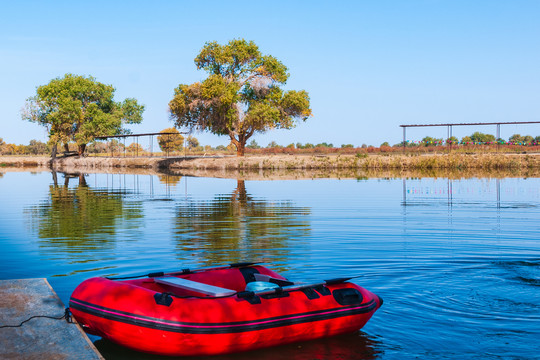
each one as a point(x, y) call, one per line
point(522, 162)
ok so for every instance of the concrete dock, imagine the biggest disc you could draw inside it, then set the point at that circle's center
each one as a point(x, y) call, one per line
point(39, 338)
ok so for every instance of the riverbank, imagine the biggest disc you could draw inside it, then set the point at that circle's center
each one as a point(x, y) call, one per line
point(294, 166)
point(289, 162)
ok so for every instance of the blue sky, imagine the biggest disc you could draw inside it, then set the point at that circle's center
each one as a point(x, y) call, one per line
point(367, 65)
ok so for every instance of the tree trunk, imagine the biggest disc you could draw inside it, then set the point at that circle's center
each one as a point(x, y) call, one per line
point(240, 192)
point(66, 147)
point(240, 143)
point(82, 148)
point(239, 195)
point(55, 177)
point(54, 151)
point(240, 149)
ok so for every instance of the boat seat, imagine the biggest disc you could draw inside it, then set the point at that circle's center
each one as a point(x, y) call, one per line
point(194, 286)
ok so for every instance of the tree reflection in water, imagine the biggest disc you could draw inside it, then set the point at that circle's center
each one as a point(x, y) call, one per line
point(79, 220)
point(237, 227)
point(169, 180)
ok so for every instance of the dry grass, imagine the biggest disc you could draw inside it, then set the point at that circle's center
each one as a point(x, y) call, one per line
point(362, 162)
point(292, 163)
point(295, 167)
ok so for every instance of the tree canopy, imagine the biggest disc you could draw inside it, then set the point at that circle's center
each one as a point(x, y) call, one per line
point(479, 137)
point(241, 95)
point(77, 108)
point(170, 142)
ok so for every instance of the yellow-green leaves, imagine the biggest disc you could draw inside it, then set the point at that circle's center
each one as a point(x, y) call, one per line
point(241, 95)
point(170, 142)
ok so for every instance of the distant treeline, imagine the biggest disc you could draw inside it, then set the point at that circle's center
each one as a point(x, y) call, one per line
point(476, 138)
point(177, 144)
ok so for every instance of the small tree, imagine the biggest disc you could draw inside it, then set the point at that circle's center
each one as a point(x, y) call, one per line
point(528, 139)
point(134, 148)
point(452, 140)
point(114, 146)
point(37, 147)
point(273, 145)
point(97, 148)
point(253, 145)
point(192, 142)
point(170, 142)
point(482, 138)
point(430, 141)
point(516, 138)
point(325, 144)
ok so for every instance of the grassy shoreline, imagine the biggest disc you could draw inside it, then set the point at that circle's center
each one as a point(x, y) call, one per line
point(294, 166)
point(289, 162)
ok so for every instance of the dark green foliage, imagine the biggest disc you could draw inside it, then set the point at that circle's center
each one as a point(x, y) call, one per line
point(77, 108)
point(479, 137)
point(429, 141)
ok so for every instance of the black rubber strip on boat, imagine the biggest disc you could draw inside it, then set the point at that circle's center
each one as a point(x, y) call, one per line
point(220, 328)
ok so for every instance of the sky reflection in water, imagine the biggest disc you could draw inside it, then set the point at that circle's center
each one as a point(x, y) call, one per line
point(456, 261)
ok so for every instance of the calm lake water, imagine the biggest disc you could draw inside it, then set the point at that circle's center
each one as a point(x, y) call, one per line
point(457, 262)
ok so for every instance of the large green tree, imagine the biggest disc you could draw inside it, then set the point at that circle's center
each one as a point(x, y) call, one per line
point(242, 94)
point(78, 108)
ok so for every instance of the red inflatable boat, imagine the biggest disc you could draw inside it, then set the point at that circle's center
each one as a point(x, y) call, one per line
point(209, 311)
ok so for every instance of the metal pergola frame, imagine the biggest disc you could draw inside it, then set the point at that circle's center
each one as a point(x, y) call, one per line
point(449, 127)
point(136, 136)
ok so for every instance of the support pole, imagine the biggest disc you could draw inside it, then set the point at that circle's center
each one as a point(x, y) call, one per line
point(450, 138)
point(498, 136)
point(404, 137)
